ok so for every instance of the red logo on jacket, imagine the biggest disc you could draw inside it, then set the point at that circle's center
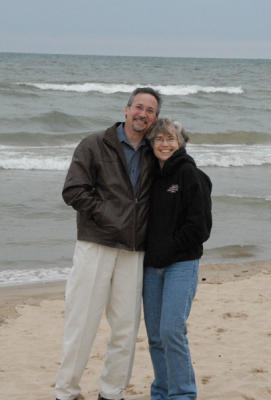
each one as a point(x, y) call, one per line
point(173, 188)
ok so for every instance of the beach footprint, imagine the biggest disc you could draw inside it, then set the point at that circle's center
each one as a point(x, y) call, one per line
point(206, 379)
point(234, 315)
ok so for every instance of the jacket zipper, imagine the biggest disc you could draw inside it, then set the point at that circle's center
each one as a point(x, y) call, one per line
point(134, 228)
point(133, 244)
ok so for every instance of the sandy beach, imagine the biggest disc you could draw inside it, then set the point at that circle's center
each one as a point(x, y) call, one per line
point(229, 331)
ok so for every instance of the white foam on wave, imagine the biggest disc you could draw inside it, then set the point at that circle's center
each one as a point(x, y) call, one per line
point(35, 164)
point(242, 196)
point(29, 160)
point(110, 88)
point(58, 158)
point(230, 155)
point(16, 147)
point(11, 277)
point(185, 90)
point(27, 163)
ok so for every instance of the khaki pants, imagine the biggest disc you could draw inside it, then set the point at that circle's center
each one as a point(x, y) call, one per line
point(101, 278)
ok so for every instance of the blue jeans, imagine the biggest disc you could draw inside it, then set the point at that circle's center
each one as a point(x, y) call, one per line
point(167, 298)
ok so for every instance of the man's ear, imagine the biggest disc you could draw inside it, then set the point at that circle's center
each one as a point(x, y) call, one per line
point(125, 111)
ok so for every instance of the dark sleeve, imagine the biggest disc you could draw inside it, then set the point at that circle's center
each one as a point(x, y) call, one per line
point(79, 187)
point(197, 222)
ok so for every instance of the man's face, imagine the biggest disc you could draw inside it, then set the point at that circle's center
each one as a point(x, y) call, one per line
point(141, 115)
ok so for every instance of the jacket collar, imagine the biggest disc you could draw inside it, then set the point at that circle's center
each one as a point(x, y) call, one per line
point(171, 164)
point(111, 138)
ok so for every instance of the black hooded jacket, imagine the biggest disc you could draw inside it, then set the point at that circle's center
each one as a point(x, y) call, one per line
point(180, 215)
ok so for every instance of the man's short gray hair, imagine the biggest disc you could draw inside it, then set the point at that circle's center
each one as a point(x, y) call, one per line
point(163, 126)
point(147, 90)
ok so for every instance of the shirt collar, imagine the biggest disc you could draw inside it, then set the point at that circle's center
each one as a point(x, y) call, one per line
point(123, 138)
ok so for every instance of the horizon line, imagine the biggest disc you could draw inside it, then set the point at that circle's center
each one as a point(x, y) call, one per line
point(132, 56)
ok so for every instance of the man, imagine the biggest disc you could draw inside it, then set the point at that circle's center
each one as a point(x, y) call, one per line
point(108, 183)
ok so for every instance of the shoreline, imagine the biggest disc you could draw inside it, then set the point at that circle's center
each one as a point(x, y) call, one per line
point(35, 293)
point(229, 333)
point(213, 272)
point(28, 294)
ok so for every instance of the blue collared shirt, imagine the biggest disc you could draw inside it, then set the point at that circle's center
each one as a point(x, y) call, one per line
point(132, 156)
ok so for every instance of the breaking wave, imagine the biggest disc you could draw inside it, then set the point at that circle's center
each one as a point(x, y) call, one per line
point(110, 88)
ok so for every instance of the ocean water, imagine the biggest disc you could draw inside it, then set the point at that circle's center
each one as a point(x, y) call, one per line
point(50, 102)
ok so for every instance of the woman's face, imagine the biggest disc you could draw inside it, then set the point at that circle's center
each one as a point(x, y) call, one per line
point(164, 145)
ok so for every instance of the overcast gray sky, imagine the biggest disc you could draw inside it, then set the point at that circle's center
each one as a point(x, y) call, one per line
point(174, 28)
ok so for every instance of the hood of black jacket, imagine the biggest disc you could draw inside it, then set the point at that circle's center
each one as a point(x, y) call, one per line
point(179, 157)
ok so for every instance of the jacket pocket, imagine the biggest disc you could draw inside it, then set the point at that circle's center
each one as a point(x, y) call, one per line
point(102, 216)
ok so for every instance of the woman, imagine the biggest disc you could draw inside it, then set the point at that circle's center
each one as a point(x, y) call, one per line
point(180, 221)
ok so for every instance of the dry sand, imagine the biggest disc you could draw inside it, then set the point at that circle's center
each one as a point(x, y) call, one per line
point(229, 331)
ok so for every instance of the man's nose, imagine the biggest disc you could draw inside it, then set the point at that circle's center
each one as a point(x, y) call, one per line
point(143, 113)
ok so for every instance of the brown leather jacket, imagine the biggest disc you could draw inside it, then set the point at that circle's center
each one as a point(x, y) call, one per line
point(98, 187)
